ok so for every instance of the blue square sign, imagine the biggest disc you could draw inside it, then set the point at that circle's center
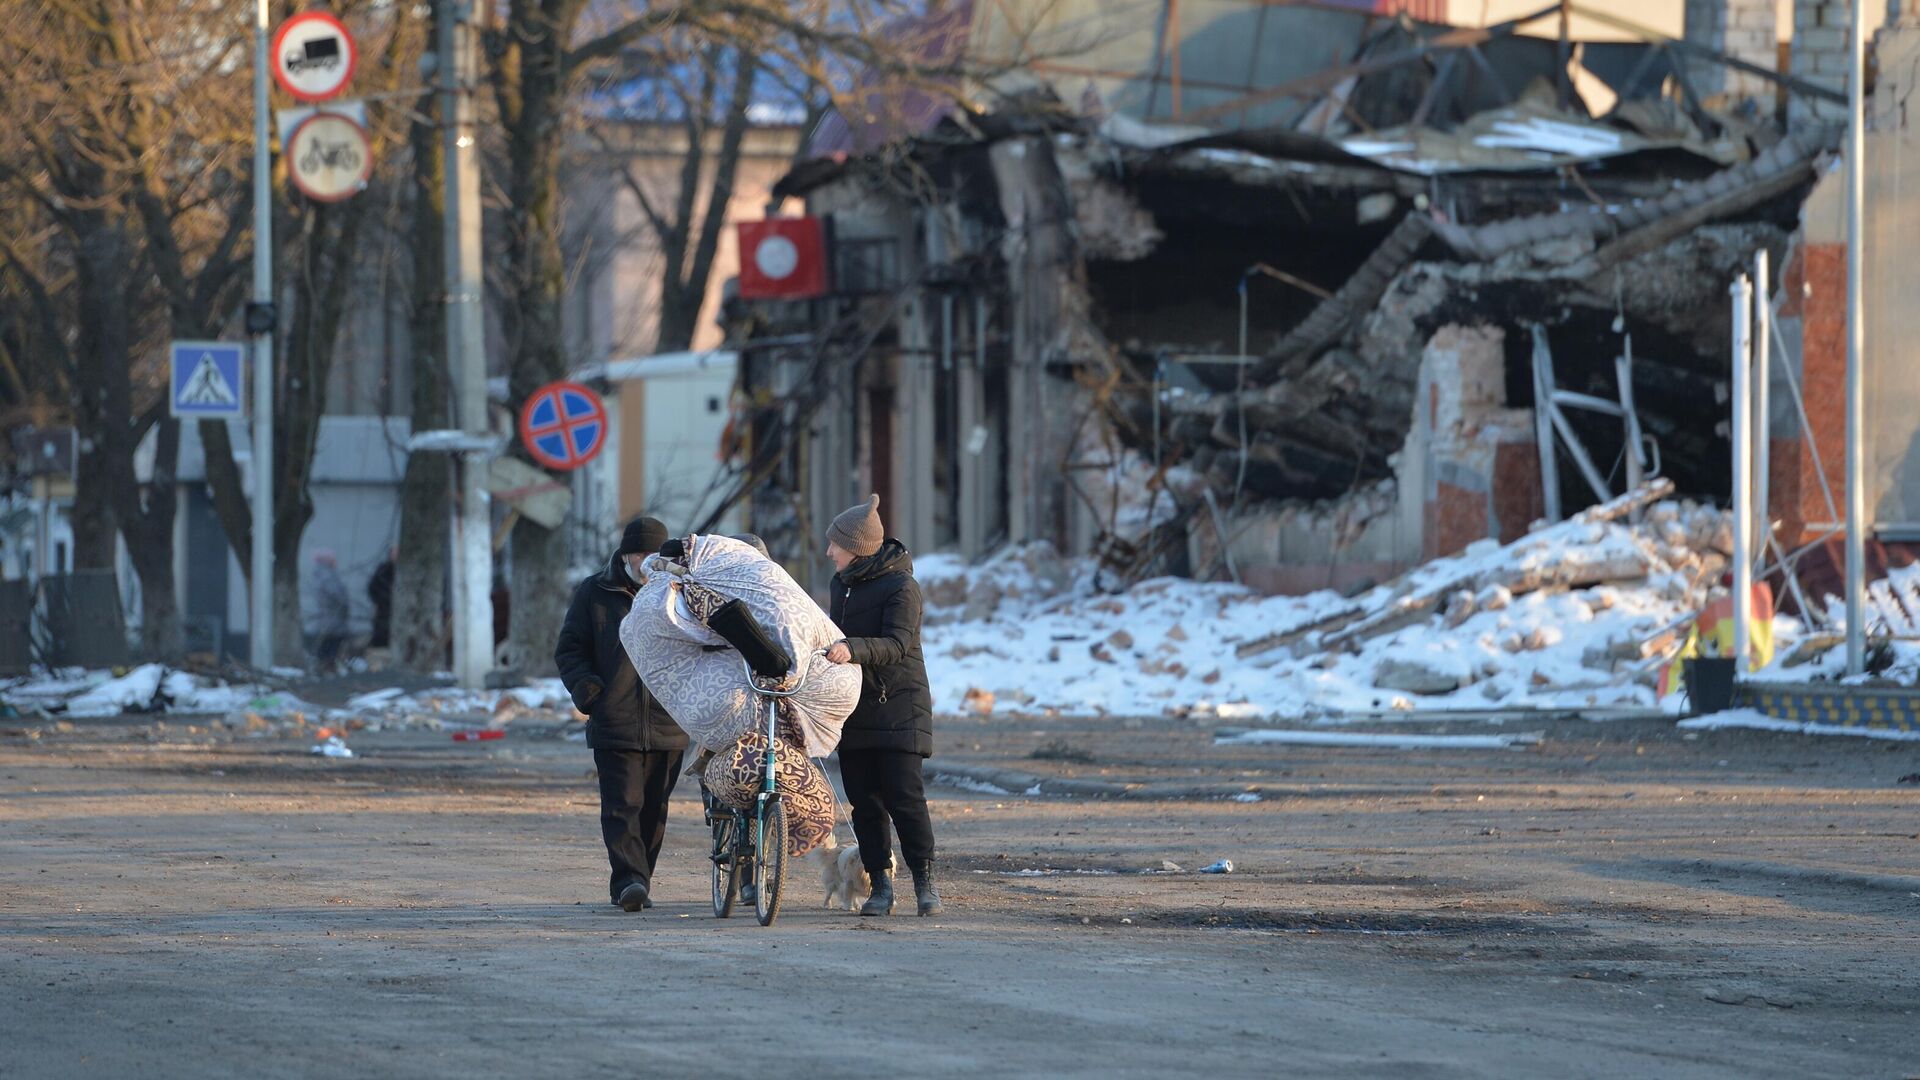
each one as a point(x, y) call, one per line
point(208, 379)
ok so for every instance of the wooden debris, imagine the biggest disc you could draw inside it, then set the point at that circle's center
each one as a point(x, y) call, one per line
point(1569, 574)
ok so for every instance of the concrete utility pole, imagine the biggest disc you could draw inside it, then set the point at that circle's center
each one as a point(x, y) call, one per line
point(260, 595)
point(466, 348)
point(1856, 336)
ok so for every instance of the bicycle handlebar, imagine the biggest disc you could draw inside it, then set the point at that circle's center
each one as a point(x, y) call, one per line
point(753, 680)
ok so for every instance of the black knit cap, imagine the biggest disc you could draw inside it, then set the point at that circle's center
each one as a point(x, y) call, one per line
point(643, 536)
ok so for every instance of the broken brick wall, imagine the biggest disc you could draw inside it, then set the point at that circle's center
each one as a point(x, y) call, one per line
point(1812, 305)
point(1476, 460)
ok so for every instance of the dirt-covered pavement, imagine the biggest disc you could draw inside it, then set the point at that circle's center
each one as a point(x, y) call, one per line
point(1618, 900)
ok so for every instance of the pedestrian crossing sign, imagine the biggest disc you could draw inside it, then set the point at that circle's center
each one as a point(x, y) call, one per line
point(207, 379)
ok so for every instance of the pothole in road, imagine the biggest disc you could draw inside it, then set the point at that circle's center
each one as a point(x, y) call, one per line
point(1382, 924)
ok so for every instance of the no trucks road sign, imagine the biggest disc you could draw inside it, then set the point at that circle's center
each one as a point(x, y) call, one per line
point(563, 425)
point(313, 56)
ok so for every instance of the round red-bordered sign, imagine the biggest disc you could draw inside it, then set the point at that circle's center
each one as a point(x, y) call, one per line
point(563, 425)
point(313, 56)
point(329, 157)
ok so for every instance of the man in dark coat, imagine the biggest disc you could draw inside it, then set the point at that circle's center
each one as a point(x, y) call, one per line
point(637, 747)
point(877, 604)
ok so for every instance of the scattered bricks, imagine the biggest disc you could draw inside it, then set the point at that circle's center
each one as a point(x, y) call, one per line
point(1460, 608)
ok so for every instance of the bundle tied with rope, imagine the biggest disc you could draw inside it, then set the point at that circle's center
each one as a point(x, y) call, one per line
point(708, 603)
point(691, 668)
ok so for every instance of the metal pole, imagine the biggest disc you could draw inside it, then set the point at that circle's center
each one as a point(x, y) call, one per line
point(1856, 335)
point(260, 594)
point(1543, 422)
point(466, 350)
point(1742, 291)
point(1762, 422)
point(1240, 408)
point(1630, 417)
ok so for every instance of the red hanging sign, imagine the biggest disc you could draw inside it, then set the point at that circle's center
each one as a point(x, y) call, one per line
point(783, 259)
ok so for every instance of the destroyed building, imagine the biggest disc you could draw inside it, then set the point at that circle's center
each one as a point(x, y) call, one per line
point(1202, 300)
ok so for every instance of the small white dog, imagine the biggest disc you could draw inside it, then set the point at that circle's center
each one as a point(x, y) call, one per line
point(842, 874)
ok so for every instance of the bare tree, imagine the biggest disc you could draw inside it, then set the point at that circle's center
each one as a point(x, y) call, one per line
point(419, 626)
point(541, 55)
point(88, 85)
point(137, 129)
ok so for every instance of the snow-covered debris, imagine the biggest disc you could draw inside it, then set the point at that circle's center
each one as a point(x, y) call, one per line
point(1823, 658)
point(256, 711)
point(155, 688)
point(136, 691)
point(1558, 619)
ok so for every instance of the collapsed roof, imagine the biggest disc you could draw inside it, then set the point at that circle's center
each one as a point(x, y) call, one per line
point(1393, 178)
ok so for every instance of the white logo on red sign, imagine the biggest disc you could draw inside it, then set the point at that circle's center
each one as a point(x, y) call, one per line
point(776, 257)
point(313, 56)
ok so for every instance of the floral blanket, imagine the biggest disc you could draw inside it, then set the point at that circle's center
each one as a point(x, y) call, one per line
point(699, 678)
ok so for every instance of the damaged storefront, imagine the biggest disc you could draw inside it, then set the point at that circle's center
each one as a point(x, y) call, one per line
point(1293, 332)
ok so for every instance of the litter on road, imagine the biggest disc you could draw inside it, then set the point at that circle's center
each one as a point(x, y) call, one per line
point(333, 747)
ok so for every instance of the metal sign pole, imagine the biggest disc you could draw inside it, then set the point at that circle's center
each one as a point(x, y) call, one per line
point(466, 350)
point(1742, 469)
point(260, 596)
point(1761, 424)
point(1856, 335)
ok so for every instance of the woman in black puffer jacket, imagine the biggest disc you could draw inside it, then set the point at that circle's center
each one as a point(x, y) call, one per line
point(876, 603)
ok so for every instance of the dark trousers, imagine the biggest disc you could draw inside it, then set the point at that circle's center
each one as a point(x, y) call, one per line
point(634, 788)
point(883, 785)
point(328, 649)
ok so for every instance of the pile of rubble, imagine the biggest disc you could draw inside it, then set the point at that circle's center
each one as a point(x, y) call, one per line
point(1576, 615)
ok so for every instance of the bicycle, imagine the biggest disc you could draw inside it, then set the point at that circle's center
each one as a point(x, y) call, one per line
point(755, 838)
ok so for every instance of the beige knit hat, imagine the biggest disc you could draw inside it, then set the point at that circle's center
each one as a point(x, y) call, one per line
point(858, 530)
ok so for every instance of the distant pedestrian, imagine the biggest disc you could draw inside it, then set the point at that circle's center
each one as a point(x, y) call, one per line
point(331, 611)
point(380, 592)
point(637, 747)
point(877, 604)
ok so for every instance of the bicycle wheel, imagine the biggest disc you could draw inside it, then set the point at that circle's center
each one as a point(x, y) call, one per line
point(726, 865)
point(770, 868)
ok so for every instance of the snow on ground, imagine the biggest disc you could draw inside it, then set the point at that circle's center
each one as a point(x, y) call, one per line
point(1027, 633)
point(1035, 635)
point(1759, 721)
point(147, 688)
point(1392, 740)
point(259, 710)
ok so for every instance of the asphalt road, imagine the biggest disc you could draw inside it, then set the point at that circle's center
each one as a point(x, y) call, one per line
point(1617, 901)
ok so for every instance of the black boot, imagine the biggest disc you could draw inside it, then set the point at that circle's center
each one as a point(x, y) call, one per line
point(880, 901)
point(925, 895)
